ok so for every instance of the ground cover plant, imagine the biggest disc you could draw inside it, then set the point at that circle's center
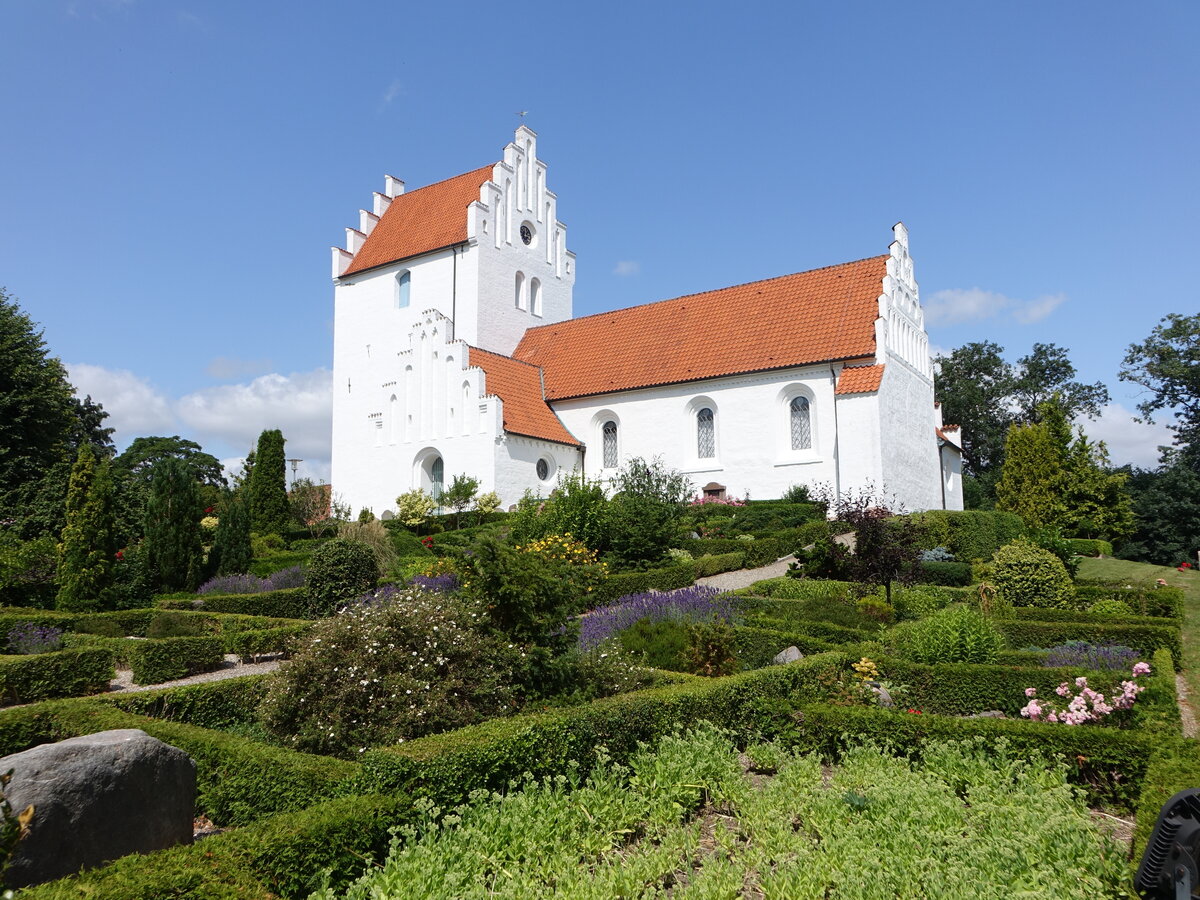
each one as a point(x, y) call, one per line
point(684, 819)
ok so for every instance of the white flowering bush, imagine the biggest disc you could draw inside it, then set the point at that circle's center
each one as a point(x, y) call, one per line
point(398, 664)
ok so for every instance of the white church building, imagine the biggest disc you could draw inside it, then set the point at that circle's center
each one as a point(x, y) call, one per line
point(455, 351)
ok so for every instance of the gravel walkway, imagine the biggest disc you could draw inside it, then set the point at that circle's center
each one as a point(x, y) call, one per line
point(231, 668)
point(732, 581)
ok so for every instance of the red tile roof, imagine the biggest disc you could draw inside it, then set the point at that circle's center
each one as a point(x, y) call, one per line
point(859, 379)
point(519, 385)
point(824, 314)
point(421, 221)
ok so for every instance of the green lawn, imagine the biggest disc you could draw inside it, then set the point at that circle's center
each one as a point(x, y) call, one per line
point(1142, 573)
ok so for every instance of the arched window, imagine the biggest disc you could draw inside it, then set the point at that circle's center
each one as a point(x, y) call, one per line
point(801, 424)
point(393, 417)
point(520, 293)
point(403, 289)
point(543, 469)
point(535, 297)
point(706, 436)
point(437, 475)
point(610, 444)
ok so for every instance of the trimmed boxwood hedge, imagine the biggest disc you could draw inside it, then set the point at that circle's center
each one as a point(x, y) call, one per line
point(61, 673)
point(448, 767)
point(221, 704)
point(167, 659)
point(238, 780)
point(250, 645)
point(717, 563)
point(289, 603)
point(1089, 547)
point(1145, 601)
point(951, 574)
point(756, 553)
point(1108, 762)
point(1038, 614)
point(785, 588)
point(665, 579)
point(1174, 768)
point(1146, 639)
point(756, 647)
point(969, 534)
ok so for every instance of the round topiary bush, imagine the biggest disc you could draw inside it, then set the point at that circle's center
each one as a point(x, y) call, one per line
point(1030, 576)
point(956, 634)
point(339, 570)
point(406, 663)
point(1111, 609)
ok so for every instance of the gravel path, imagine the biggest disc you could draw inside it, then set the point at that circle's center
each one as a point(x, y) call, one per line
point(731, 581)
point(231, 668)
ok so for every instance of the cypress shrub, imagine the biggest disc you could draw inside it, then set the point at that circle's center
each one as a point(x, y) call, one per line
point(269, 510)
point(173, 544)
point(340, 570)
point(231, 553)
point(87, 554)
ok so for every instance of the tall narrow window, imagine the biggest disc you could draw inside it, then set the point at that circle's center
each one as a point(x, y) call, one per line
point(801, 424)
point(437, 475)
point(706, 438)
point(535, 297)
point(520, 292)
point(610, 445)
point(403, 287)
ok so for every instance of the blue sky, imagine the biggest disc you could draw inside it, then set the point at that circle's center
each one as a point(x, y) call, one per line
point(174, 171)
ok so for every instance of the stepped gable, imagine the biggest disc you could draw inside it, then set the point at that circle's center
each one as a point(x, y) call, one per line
point(519, 387)
point(816, 316)
point(859, 379)
point(421, 221)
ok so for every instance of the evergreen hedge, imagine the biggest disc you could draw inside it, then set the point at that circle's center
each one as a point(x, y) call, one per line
point(215, 704)
point(62, 673)
point(289, 603)
point(756, 553)
point(1145, 601)
point(1089, 547)
point(1143, 638)
point(166, 659)
point(618, 585)
point(969, 534)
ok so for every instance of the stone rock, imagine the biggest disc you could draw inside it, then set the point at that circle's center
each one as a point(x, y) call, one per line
point(990, 714)
point(882, 697)
point(97, 798)
point(790, 655)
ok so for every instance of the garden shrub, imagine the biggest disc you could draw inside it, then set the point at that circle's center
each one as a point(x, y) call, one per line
point(64, 673)
point(952, 574)
point(250, 645)
point(969, 534)
point(876, 610)
point(756, 647)
point(1145, 600)
point(1146, 639)
point(1110, 609)
point(919, 601)
point(1090, 547)
point(957, 634)
point(669, 578)
point(755, 553)
point(841, 621)
point(710, 649)
point(286, 604)
point(1095, 657)
point(291, 577)
point(714, 565)
point(1037, 614)
point(28, 639)
point(697, 603)
point(266, 567)
point(339, 571)
point(375, 536)
point(179, 624)
point(167, 659)
point(801, 589)
point(659, 644)
point(231, 702)
point(1030, 576)
point(409, 665)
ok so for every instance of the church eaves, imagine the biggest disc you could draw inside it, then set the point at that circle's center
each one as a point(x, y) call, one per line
point(859, 380)
point(817, 316)
point(518, 385)
point(421, 221)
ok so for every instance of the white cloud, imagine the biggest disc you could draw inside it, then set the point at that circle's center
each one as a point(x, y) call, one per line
point(955, 305)
point(394, 90)
point(627, 267)
point(229, 367)
point(134, 406)
point(1128, 441)
point(300, 405)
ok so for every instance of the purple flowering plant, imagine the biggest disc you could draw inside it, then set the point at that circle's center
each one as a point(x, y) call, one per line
point(30, 638)
point(698, 603)
point(1097, 657)
point(291, 577)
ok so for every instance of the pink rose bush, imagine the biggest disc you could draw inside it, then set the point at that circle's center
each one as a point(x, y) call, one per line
point(1082, 703)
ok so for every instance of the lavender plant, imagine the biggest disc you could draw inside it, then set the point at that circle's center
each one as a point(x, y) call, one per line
point(292, 577)
point(698, 603)
point(446, 583)
point(1098, 657)
point(29, 639)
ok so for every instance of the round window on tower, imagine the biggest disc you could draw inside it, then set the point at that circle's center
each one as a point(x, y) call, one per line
point(527, 234)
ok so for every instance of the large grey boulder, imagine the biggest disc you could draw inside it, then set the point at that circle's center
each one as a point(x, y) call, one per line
point(788, 655)
point(97, 798)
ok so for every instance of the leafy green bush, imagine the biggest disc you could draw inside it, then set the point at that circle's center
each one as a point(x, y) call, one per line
point(1030, 576)
point(711, 649)
point(801, 589)
point(178, 624)
point(1110, 609)
point(953, 574)
point(250, 645)
point(1149, 600)
point(969, 534)
point(714, 565)
point(154, 662)
point(615, 586)
point(265, 567)
point(407, 665)
point(340, 571)
point(957, 634)
point(1090, 547)
point(64, 673)
point(290, 603)
point(660, 645)
point(1144, 638)
point(230, 702)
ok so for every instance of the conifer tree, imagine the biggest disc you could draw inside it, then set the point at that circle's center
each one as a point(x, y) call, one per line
point(1032, 484)
point(269, 511)
point(173, 543)
point(231, 553)
point(87, 553)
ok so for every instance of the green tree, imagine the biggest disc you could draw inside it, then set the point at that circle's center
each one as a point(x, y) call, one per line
point(87, 554)
point(231, 553)
point(269, 512)
point(461, 494)
point(644, 513)
point(140, 457)
point(1097, 500)
point(1166, 505)
point(173, 545)
point(1046, 374)
point(1033, 484)
point(974, 384)
point(42, 425)
point(1167, 364)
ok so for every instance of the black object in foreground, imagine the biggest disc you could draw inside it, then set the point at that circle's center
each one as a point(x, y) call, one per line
point(1170, 868)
